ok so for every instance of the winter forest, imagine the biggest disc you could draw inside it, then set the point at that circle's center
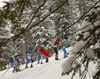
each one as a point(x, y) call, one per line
point(28, 23)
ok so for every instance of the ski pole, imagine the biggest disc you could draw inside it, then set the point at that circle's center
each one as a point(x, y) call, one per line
point(5, 72)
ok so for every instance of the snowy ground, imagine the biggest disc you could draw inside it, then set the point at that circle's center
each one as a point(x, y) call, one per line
point(51, 70)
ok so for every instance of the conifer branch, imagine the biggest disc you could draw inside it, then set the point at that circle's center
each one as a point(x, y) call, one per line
point(25, 30)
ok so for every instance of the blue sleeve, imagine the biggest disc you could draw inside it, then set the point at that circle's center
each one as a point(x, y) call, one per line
point(63, 48)
point(66, 45)
point(17, 55)
point(39, 54)
point(30, 51)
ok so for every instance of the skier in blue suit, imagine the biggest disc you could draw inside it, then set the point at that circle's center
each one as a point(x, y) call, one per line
point(39, 55)
point(64, 50)
point(15, 61)
point(40, 58)
point(17, 55)
point(29, 58)
point(66, 45)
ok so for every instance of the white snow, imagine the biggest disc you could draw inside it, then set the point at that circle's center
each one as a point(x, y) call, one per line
point(50, 70)
point(66, 66)
point(90, 53)
point(92, 70)
point(86, 26)
point(97, 45)
point(86, 34)
point(2, 2)
point(5, 37)
point(78, 46)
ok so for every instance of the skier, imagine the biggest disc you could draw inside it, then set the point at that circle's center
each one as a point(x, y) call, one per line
point(64, 50)
point(55, 49)
point(41, 50)
point(40, 57)
point(17, 57)
point(29, 58)
point(15, 61)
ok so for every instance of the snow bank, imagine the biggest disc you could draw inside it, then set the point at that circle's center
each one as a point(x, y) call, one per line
point(66, 66)
point(83, 40)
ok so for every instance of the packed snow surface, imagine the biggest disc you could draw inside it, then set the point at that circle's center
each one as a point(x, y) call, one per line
point(50, 70)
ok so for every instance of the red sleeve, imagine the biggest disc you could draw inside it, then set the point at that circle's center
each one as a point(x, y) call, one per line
point(58, 42)
point(74, 43)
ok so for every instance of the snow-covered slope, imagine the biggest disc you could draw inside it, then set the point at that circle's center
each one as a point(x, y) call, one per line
point(50, 70)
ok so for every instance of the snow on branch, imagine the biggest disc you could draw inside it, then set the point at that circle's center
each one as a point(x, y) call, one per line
point(86, 36)
point(28, 28)
point(4, 37)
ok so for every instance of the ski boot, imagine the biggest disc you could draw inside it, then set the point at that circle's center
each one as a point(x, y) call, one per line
point(18, 70)
point(38, 62)
point(31, 65)
point(47, 60)
point(13, 70)
point(56, 59)
point(65, 56)
point(41, 63)
point(26, 67)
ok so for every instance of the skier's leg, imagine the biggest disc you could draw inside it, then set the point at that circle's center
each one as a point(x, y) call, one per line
point(31, 63)
point(47, 59)
point(18, 65)
point(38, 60)
point(56, 53)
point(64, 50)
point(41, 58)
point(27, 62)
point(56, 56)
point(15, 66)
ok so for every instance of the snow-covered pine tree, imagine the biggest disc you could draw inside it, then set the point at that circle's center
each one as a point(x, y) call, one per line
point(81, 54)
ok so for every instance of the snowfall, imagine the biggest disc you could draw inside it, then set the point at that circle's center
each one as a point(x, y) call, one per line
point(50, 70)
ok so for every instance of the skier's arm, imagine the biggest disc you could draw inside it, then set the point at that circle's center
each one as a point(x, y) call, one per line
point(14, 59)
point(29, 51)
point(34, 54)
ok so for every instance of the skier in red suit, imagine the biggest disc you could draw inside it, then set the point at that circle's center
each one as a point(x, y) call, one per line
point(41, 50)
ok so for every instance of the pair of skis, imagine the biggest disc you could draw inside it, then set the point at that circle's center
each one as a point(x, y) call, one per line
point(15, 70)
point(24, 69)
